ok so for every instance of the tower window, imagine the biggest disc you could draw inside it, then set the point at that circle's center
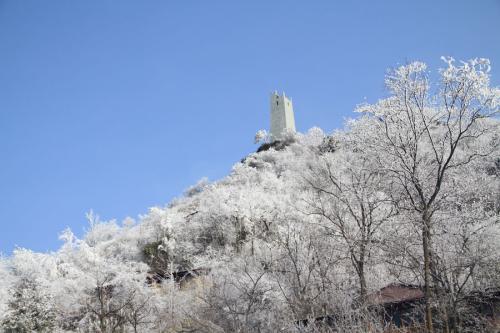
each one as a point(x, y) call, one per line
point(277, 103)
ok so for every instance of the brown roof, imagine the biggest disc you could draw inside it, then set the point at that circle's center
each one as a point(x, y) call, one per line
point(395, 293)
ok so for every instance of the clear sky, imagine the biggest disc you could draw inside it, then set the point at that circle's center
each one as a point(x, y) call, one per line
point(118, 106)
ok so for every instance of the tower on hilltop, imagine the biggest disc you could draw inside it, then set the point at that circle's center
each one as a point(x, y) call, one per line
point(282, 118)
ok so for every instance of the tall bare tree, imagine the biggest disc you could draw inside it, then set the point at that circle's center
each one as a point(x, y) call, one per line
point(419, 134)
point(348, 194)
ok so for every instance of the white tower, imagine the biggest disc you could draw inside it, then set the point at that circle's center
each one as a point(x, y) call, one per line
point(282, 118)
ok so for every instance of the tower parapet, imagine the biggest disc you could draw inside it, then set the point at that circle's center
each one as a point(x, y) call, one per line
point(282, 117)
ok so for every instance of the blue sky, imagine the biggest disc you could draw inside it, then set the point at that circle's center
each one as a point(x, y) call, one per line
point(118, 106)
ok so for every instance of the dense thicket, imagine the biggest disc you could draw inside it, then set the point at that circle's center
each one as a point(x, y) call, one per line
point(408, 192)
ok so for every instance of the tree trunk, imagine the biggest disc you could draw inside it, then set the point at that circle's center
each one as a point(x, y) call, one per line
point(426, 235)
point(362, 279)
point(446, 318)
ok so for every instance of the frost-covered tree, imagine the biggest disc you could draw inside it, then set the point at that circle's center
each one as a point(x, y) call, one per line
point(6, 282)
point(29, 309)
point(242, 297)
point(262, 136)
point(420, 134)
point(350, 196)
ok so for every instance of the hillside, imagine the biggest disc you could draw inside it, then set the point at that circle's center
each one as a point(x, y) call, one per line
point(406, 194)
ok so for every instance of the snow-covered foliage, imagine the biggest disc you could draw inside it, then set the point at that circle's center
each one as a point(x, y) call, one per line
point(262, 136)
point(297, 231)
point(30, 308)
